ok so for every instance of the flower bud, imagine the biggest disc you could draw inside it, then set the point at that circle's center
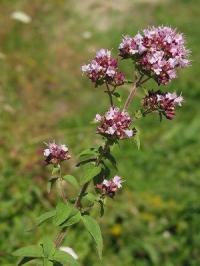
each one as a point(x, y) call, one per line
point(55, 154)
point(115, 124)
point(110, 187)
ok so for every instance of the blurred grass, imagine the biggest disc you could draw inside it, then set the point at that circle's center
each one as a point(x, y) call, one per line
point(156, 218)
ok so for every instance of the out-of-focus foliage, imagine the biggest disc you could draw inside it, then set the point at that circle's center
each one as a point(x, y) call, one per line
point(156, 218)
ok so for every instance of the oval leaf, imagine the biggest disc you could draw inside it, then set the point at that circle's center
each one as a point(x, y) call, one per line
point(95, 231)
point(90, 171)
point(29, 251)
point(45, 216)
point(63, 211)
point(64, 258)
point(72, 180)
point(72, 220)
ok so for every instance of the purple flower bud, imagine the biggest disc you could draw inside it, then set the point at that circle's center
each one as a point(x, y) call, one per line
point(115, 124)
point(55, 154)
point(162, 102)
point(158, 52)
point(110, 187)
point(104, 68)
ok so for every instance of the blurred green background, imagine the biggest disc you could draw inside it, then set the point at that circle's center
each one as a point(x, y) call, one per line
point(155, 220)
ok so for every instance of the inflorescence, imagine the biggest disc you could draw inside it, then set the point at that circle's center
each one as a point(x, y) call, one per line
point(157, 52)
point(104, 69)
point(55, 154)
point(115, 124)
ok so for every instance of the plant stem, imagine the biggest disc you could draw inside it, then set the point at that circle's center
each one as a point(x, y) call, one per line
point(136, 84)
point(109, 94)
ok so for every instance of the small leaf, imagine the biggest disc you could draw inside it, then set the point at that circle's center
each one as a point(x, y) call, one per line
point(90, 151)
point(29, 251)
point(101, 204)
point(63, 211)
point(138, 114)
point(137, 138)
point(94, 229)
point(90, 196)
point(55, 170)
point(90, 171)
point(45, 216)
point(51, 182)
point(72, 180)
point(48, 247)
point(64, 258)
point(117, 95)
point(25, 260)
point(111, 158)
point(72, 220)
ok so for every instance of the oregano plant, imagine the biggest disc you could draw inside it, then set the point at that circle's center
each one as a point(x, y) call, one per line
point(156, 53)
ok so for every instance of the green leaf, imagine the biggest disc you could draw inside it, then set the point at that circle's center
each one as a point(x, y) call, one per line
point(90, 151)
point(55, 170)
point(137, 138)
point(45, 216)
point(90, 171)
point(95, 231)
point(51, 182)
point(29, 251)
point(90, 197)
point(117, 95)
point(25, 260)
point(101, 205)
point(72, 180)
point(138, 114)
point(64, 258)
point(74, 219)
point(63, 211)
point(48, 247)
point(111, 158)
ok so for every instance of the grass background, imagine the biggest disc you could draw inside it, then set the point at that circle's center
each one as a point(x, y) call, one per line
point(155, 220)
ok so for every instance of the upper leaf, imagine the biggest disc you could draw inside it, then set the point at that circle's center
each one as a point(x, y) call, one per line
point(72, 180)
point(90, 171)
point(88, 152)
point(63, 211)
point(73, 219)
point(45, 216)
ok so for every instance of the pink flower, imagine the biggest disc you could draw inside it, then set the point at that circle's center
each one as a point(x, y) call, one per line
point(110, 187)
point(115, 124)
point(104, 68)
point(162, 102)
point(158, 52)
point(55, 154)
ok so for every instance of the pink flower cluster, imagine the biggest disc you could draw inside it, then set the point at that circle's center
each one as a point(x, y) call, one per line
point(55, 154)
point(164, 103)
point(115, 124)
point(110, 187)
point(158, 52)
point(104, 68)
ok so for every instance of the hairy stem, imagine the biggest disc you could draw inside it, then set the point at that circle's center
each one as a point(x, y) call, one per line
point(109, 94)
point(136, 84)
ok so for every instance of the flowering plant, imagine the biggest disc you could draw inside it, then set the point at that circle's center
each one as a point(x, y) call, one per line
point(157, 54)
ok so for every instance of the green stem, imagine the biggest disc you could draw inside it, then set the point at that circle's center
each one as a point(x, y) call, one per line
point(109, 94)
